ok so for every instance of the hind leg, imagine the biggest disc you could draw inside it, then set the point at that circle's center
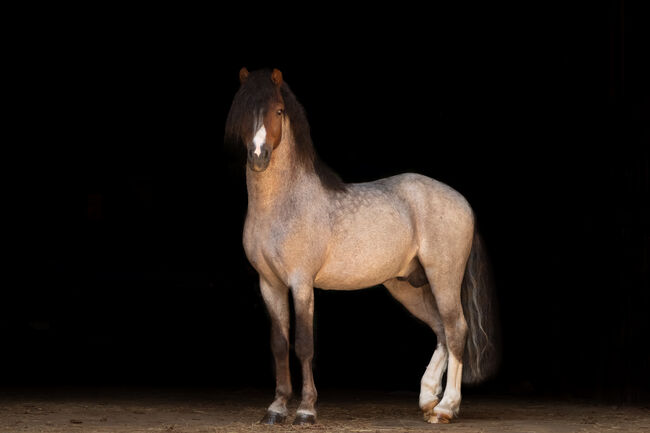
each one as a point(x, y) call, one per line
point(431, 383)
point(446, 281)
point(420, 302)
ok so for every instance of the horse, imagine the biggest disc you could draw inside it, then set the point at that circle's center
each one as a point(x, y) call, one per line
point(306, 228)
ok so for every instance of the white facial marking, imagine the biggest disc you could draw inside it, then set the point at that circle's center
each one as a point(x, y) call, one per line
point(259, 139)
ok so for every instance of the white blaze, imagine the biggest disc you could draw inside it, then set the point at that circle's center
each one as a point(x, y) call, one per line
point(259, 139)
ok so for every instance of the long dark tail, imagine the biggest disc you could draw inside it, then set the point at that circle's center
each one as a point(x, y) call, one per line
point(482, 351)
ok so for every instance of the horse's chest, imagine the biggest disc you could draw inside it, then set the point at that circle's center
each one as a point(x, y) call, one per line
point(259, 241)
point(280, 247)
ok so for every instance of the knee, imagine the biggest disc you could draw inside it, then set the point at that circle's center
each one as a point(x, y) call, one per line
point(279, 344)
point(304, 338)
point(304, 350)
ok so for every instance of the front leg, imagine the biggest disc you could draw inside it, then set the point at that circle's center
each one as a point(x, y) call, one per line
point(303, 300)
point(276, 297)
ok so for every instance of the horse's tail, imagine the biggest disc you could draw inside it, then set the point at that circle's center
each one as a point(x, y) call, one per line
point(482, 351)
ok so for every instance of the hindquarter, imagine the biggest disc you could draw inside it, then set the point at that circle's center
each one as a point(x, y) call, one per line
point(443, 219)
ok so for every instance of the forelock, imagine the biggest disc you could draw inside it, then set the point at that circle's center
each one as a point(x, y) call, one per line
point(249, 104)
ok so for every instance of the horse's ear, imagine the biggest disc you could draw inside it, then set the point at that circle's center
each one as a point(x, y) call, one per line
point(276, 77)
point(243, 75)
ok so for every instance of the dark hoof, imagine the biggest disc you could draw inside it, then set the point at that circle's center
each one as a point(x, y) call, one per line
point(304, 419)
point(273, 418)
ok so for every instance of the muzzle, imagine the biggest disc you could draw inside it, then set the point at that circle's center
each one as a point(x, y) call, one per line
point(258, 160)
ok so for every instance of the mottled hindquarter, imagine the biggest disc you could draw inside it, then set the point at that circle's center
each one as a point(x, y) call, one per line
point(442, 217)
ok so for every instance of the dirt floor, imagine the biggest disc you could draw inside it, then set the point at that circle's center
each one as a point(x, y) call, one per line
point(182, 411)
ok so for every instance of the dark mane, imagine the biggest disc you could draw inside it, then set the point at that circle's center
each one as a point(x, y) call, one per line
point(251, 98)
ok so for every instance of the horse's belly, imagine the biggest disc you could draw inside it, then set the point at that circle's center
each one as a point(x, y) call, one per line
point(366, 258)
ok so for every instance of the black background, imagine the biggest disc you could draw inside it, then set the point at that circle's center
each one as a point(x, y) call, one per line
point(126, 261)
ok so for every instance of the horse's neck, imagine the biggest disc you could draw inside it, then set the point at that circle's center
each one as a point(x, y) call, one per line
point(284, 179)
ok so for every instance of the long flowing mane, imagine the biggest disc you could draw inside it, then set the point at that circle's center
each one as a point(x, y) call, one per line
point(252, 99)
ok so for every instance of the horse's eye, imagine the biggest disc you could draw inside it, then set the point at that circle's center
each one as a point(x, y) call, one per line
point(279, 112)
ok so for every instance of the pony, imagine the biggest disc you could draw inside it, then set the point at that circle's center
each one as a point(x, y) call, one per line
point(306, 228)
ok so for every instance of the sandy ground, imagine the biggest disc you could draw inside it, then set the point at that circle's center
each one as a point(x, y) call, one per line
point(203, 411)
